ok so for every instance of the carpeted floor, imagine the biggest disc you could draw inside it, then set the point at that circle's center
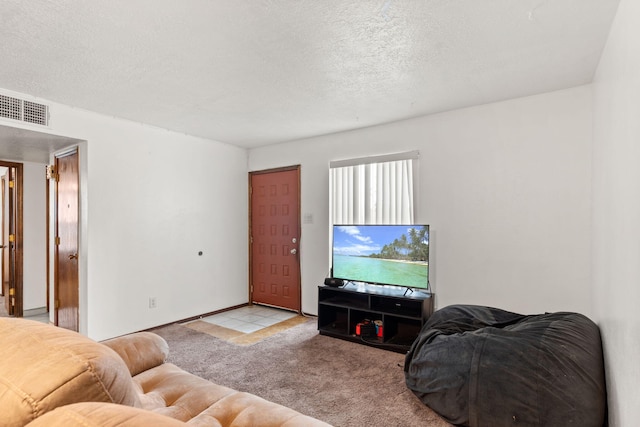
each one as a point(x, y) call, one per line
point(340, 382)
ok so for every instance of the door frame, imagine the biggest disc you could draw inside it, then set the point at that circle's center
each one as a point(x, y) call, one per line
point(19, 256)
point(299, 230)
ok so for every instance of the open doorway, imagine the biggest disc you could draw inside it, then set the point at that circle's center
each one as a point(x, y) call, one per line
point(22, 240)
point(31, 151)
point(11, 247)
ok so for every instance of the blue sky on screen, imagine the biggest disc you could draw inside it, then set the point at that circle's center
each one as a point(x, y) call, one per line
point(366, 239)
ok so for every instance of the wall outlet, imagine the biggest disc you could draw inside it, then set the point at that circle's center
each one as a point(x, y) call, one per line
point(153, 302)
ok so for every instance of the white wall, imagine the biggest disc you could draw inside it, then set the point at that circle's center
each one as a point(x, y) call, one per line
point(34, 227)
point(505, 188)
point(616, 202)
point(151, 200)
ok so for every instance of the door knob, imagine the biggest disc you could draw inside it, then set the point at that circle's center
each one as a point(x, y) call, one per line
point(294, 251)
point(73, 256)
point(294, 240)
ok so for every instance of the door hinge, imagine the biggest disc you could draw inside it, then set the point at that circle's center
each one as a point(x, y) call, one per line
point(52, 173)
point(12, 291)
point(56, 303)
point(57, 240)
point(12, 183)
point(12, 238)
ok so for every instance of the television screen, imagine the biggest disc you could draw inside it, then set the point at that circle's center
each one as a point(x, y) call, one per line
point(382, 254)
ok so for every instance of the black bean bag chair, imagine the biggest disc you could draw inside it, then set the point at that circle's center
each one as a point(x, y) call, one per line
point(481, 366)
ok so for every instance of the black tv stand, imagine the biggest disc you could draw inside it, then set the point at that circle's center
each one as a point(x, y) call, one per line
point(341, 309)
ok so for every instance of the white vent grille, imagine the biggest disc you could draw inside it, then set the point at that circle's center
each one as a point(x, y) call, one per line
point(10, 107)
point(24, 111)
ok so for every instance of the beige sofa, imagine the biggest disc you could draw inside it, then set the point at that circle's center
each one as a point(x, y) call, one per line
point(54, 377)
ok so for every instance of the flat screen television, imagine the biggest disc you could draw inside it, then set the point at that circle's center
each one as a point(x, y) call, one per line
point(382, 254)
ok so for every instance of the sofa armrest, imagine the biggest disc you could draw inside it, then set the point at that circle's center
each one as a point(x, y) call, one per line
point(140, 351)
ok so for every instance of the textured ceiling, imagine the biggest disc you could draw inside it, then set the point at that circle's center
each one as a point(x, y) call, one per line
point(256, 72)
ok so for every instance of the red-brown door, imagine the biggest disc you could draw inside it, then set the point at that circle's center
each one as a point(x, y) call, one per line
point(67, 284)
point(275, 238)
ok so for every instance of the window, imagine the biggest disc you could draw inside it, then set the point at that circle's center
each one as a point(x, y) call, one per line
point(373, 190)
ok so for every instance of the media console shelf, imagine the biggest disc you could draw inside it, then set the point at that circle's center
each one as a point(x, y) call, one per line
point(402, 313)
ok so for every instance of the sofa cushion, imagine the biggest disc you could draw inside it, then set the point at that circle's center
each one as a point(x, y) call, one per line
point(239, 409)
point(94, 414)
point(171, 391)
point(44, 367)
point(140, 351)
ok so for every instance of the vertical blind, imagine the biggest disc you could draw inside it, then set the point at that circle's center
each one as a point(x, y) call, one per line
point(373, 192)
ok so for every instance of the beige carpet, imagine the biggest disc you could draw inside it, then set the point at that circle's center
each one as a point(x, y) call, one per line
point(343, 383)
point(240, 338)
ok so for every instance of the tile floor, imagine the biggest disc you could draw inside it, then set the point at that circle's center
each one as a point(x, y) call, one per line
point(250, 318)
point(38, 314)
point(244, 319)
point(39, 317)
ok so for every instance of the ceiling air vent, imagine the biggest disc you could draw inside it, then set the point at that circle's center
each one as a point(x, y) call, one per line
point(24, 111)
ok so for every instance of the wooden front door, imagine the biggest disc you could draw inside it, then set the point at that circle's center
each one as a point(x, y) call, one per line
point(66, 214)
point(275, 238)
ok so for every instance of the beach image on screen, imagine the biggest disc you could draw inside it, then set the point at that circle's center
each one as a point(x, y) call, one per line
point(383, 254)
